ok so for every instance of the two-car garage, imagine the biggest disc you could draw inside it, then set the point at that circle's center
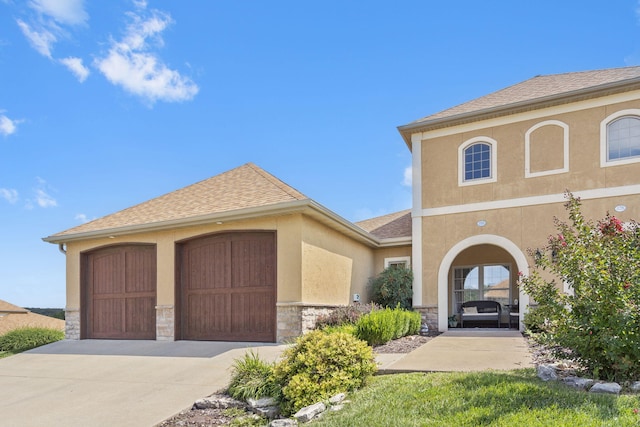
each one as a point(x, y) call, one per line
point(225, 289)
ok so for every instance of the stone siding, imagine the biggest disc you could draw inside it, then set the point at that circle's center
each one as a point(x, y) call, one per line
point(165, 323)
point(429, 315)
point(72, 324)
point(297, 319)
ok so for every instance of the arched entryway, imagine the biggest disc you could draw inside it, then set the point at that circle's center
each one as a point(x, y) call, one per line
point(480, 267)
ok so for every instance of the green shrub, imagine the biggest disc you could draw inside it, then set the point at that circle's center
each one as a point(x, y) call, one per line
point(27, 338)
point(382, 326)
point(341, 315)
point(392, 287)
point(321, 365)
point(599, 323)
point(252, 378)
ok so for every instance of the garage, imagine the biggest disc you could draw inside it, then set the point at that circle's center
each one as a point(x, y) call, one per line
point(226, 287)
point(119, 292)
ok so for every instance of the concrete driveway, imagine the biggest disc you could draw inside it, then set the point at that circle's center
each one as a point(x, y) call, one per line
point(114, 383)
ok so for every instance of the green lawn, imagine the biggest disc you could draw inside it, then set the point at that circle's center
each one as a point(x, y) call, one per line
point(515, 398)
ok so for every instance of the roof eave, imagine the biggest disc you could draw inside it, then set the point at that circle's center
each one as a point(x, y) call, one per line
point(307, 206)
point(517, 107)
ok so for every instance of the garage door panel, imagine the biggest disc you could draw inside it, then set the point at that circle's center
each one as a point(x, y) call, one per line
point(107, 317)
point(106, 274)
point(228, 287)
point(207, 265)
point(140, 268)
point(208, 315)
point(138, 311)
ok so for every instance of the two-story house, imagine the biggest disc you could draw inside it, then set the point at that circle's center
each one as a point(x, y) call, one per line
point(489, 176)
point(244, 256)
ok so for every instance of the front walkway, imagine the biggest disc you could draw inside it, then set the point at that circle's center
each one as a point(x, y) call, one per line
point(463, 350)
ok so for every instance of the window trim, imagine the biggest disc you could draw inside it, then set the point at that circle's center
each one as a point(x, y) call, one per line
point(604, 143)
point(493, 144)
point(481, 267)
point(527, 149)
point(398, 260)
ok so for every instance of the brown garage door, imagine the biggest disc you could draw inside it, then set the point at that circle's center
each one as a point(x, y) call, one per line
point(227, 287)
point(119, 292)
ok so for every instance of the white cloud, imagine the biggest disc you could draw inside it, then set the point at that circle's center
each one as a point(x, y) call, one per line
point(408, 176)
point(42, 197)
point(9, 194)
point(131, 64)
point(7, 126)
point(69, 12)
point(41, 39)
point(76, 66)
point(83, 218)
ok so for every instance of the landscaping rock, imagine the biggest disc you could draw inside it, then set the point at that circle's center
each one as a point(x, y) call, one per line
point(309, 412)
point(266, 407)
point(338, 398)
point(577, 382)
point(635, 387)
point(609, 388)
point(218, 401)
point(262, 403)
point(336, 408)
point(283, 422)
point(547, 373)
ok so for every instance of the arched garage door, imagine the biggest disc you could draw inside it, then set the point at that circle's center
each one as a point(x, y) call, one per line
point(227, 287)
point(119, 292)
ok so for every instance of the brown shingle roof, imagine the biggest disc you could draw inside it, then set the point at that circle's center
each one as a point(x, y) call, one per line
point(533, 91)
point(394, 225)
point(247, 186)
point(14, 317)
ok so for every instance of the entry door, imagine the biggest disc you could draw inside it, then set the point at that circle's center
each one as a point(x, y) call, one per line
point(119, 285)
point(228, 287)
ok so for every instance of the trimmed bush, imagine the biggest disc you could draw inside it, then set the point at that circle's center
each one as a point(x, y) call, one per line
point(598, 324)
point(392, 287)
point(348, 314)
point(382, 326)
point(252, 378)
point(27, 338)
point(321, 365)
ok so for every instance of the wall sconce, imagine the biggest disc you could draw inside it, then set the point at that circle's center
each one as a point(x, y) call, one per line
point(620, 208)
point(481, 223)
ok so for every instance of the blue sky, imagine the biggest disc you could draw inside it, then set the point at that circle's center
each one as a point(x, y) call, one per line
point(105, 104)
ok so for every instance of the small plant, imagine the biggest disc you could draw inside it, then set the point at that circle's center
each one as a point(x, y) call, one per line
point(382, 326)
point(321, 365)
point(252, 378)
point(27, 338)
point(392, 287)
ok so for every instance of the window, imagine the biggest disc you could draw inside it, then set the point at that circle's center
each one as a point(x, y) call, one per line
point(397, 262)
point(620, 138)
point(477, 161)
point(546, 149)
point(481, 282)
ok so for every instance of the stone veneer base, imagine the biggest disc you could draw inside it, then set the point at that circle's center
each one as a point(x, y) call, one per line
point(72, 324)
point(294, 320)
point(165, 323)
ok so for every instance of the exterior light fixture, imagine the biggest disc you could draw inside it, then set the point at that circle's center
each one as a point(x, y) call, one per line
point(481, 223)
point(620, 208)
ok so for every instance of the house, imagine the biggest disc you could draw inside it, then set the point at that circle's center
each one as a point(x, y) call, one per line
point(240, 256)
point(13, 317)
point(490, 175)
point(243, 256)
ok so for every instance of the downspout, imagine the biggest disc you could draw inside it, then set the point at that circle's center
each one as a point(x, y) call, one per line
point(61, 248)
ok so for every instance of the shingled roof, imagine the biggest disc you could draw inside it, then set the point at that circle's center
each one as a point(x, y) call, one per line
point(390, 226)
point(244, 187)
point(537, 92)
point(13, 317)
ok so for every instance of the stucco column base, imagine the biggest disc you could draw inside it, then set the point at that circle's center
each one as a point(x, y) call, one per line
point(165, 323)
point(72, 323)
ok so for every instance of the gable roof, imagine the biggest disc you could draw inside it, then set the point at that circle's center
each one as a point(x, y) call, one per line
point(391, 226)
point(13, 317)
point(537, 92)
point(244, 192)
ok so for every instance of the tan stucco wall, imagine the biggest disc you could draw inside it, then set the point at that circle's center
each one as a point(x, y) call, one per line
point(527, 226)
point(334, 266)
point(393, 252)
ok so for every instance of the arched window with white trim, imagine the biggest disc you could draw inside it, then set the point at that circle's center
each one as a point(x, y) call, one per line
point(477, 161)
point(620, 138)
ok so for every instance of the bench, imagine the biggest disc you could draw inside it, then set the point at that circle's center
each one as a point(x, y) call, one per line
point(483, 310)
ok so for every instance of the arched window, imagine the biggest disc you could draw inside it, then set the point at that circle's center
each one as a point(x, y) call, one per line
point(620, 138)
point(477, 159)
